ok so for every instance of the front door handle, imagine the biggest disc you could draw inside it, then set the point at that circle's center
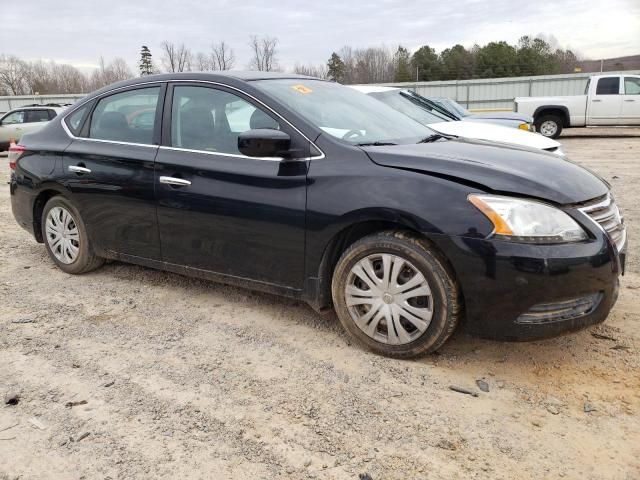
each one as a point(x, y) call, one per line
point(596, 100)
point(78, 169)
point(630, 100)
point(180, 182)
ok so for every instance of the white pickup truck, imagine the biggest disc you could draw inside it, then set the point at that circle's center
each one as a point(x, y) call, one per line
point(607, 100)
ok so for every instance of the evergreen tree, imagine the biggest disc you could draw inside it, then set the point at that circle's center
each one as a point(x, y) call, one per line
point(146, 64)
point(427, 64)
point(403, 65)
point(336, 68)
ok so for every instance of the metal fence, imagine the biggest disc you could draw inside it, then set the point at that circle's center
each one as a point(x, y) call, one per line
point(498, 93)
point(15, 101)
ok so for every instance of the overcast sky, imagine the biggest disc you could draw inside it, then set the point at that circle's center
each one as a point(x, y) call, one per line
point(79, 31)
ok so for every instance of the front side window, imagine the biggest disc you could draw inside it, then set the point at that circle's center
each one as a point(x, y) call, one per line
point(343, 112)
point(13, 118)
point(126, 117)
point(631, 86)
point(608, 86)
point(34, 116)
point(211, 120)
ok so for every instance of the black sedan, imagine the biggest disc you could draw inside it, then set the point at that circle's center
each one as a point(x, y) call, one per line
point(309, 189)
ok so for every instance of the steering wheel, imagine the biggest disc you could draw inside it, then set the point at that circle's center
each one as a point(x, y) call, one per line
point(352, 134)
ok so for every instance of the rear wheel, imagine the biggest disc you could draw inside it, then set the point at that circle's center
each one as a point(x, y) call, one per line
point(549, 126)
point(65, 237)
point(395, 294)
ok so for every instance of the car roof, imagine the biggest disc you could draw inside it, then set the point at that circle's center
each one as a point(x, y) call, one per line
point(372, 88)
point(37, 107)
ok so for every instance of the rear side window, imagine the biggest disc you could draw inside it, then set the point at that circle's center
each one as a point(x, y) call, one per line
point(34, 116)
point(126, 117)
point(608, 86)
point(52, 114)
point(631, 86)
point(76, 120)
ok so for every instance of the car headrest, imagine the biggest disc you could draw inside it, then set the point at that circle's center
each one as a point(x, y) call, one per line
point(259, 119)
point(113, 121)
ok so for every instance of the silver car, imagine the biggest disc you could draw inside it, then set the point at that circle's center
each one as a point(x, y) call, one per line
point(19, 121)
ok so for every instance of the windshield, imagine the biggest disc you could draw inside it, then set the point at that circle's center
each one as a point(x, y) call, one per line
point(455, 107)
point(409, 104)
point(345, 113)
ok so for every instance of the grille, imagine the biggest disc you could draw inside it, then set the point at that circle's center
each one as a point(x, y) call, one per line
point(559, 311)
point(606, 214)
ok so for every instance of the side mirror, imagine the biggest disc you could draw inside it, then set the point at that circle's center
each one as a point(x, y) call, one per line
point(264, 142)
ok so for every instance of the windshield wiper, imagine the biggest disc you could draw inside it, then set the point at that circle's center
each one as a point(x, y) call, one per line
point(375, 144)
point(435, 137)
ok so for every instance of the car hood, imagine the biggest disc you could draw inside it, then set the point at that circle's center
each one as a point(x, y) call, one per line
point(502, 116)
point(495, 133)
point(515, 170)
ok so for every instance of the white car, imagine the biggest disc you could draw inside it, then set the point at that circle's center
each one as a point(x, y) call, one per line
point(413, 105)
point(19, 121)
point(608, 100)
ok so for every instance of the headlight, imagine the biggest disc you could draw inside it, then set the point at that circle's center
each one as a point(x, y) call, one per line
point(528, 221)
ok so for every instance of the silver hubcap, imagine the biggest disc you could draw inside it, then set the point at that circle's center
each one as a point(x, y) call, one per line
point(63, 237)
point(389, 299)
point(548, 128)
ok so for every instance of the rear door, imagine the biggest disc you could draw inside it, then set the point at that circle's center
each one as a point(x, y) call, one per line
point(631, 101)
point(109, 169)
point(35, 119)
point(605, 105)
point(219, 210)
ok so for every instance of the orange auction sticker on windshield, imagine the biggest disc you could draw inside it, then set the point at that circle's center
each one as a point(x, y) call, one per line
point(302, 89)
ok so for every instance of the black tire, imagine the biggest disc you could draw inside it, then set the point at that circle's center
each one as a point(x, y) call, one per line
point(549, 118)
point(86, 260)
point(446, 301)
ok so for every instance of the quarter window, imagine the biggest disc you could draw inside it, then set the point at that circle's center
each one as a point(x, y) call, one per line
point(76, 119)
point(13, 118)
point(126, 117)
point(207, 119)
point(608, 86)
point(631, 86)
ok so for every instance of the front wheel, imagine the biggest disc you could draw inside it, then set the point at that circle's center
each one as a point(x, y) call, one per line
point(65, 237)
point(396, 295)
point(549, 126)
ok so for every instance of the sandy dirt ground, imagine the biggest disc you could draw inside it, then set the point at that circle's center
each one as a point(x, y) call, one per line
point(129, 373)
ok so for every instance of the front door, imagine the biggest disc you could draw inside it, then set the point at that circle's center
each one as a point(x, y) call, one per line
point(606, 103)
point(219, 210)
point(109, 170)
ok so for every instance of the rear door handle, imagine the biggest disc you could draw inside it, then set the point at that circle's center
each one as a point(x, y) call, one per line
point(180, 182)
point(77, 169)
point(630, 100)
point(596, 100)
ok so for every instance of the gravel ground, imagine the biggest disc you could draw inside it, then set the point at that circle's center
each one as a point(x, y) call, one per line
point(133, 373)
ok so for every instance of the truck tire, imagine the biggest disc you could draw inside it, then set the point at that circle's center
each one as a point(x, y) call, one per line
point(549, 126)
point(396, 295)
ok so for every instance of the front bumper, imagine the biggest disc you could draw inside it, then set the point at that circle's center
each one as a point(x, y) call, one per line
point(505, 285)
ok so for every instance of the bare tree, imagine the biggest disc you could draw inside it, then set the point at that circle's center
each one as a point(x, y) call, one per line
point(204, 62)
point(222, 56)
point(264, 53)
point(13, 73)
point(175, 58)
point(319, 71)
point(107, 74)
